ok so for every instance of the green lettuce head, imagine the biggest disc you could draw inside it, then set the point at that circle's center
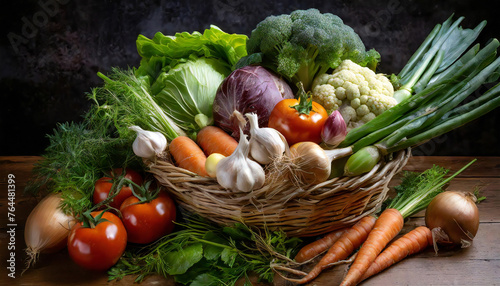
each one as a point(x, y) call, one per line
point(188, 90)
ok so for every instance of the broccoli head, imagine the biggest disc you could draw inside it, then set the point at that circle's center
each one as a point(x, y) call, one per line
point(305, 44)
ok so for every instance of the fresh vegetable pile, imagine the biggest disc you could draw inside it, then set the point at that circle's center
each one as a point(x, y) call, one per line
point(299, 100)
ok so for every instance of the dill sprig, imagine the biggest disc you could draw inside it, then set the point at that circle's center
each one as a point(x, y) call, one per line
point(417, 190)
point(76, 157)
point(80, 153)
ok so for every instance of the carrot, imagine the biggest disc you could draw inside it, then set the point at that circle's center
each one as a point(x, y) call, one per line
point(317, 247)
point(414, 194)
point(342, 248)
point(188, 155)
point(387, 226)
point(410, 243)
point(213, 139)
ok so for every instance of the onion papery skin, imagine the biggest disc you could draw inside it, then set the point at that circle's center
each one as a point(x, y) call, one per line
point(454, 214)
point(313, 164)
point(47, 227)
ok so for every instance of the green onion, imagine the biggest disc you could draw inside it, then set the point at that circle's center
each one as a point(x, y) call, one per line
point(451, 123)
point(442, 94)
point(441, 75)
point(442, 48)
point(456, 95)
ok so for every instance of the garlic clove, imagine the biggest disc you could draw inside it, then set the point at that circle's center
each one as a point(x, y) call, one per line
point(260, 154)
point(148, 144)
point(258, 173)
point(265, 143)
point(142, 147)
point(223, 175)
point(245, 180)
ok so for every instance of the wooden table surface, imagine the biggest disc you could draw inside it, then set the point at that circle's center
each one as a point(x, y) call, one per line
point(476, 265)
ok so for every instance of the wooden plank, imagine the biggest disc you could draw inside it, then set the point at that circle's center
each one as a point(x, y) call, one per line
point(425, 271)
point(484, 166)
point(20, 166)
point(59, 269)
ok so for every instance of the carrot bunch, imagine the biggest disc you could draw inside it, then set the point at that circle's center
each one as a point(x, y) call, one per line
point(374, 234)
point(349, 241)
point(387, 226)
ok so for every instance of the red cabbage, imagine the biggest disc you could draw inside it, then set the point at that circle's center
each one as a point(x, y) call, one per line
point(248, 89)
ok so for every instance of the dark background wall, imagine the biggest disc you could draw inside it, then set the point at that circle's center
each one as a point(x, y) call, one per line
point(50, 51)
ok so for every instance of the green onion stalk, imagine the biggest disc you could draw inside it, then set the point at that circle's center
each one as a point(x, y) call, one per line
point(441, 76)
point(442, 47)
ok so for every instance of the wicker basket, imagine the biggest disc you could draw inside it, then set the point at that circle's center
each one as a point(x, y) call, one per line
point(299, 211)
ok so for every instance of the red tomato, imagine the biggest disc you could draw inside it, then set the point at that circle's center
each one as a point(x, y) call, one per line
point(104, 184)
point(297, 127)
point(100, 247)
point(147, 222)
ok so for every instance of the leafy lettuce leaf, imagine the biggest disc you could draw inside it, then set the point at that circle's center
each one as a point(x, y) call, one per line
point(161, 53)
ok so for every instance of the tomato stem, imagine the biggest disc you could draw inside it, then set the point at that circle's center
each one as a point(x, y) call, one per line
point(305, 101)
point(118, 182)
point(88, 221)
point(144, 194)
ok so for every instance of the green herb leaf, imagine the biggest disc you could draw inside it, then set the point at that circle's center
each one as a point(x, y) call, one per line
point(205, 280)
point(180, 261)
point(238, 231)
point(211, 251)
point(229, 256)
point(201, 267)
point(78, 154)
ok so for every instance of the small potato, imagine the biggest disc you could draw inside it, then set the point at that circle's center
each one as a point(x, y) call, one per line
point(211, 164)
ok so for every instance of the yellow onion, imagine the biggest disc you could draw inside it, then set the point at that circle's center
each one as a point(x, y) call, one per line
point(47, 228)
point(453, 218)
point(313, 162)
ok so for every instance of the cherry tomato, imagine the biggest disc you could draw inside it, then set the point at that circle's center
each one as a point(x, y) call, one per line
point(104, 184)
point(100, 247)
point(297, 127)
point(148, 221)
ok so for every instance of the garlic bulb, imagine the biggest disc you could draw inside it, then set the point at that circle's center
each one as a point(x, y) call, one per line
point(238, 172)
point(266, 144)
point(148, 144)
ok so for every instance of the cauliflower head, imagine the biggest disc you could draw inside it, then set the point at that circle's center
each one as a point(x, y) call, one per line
point(357, 92)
